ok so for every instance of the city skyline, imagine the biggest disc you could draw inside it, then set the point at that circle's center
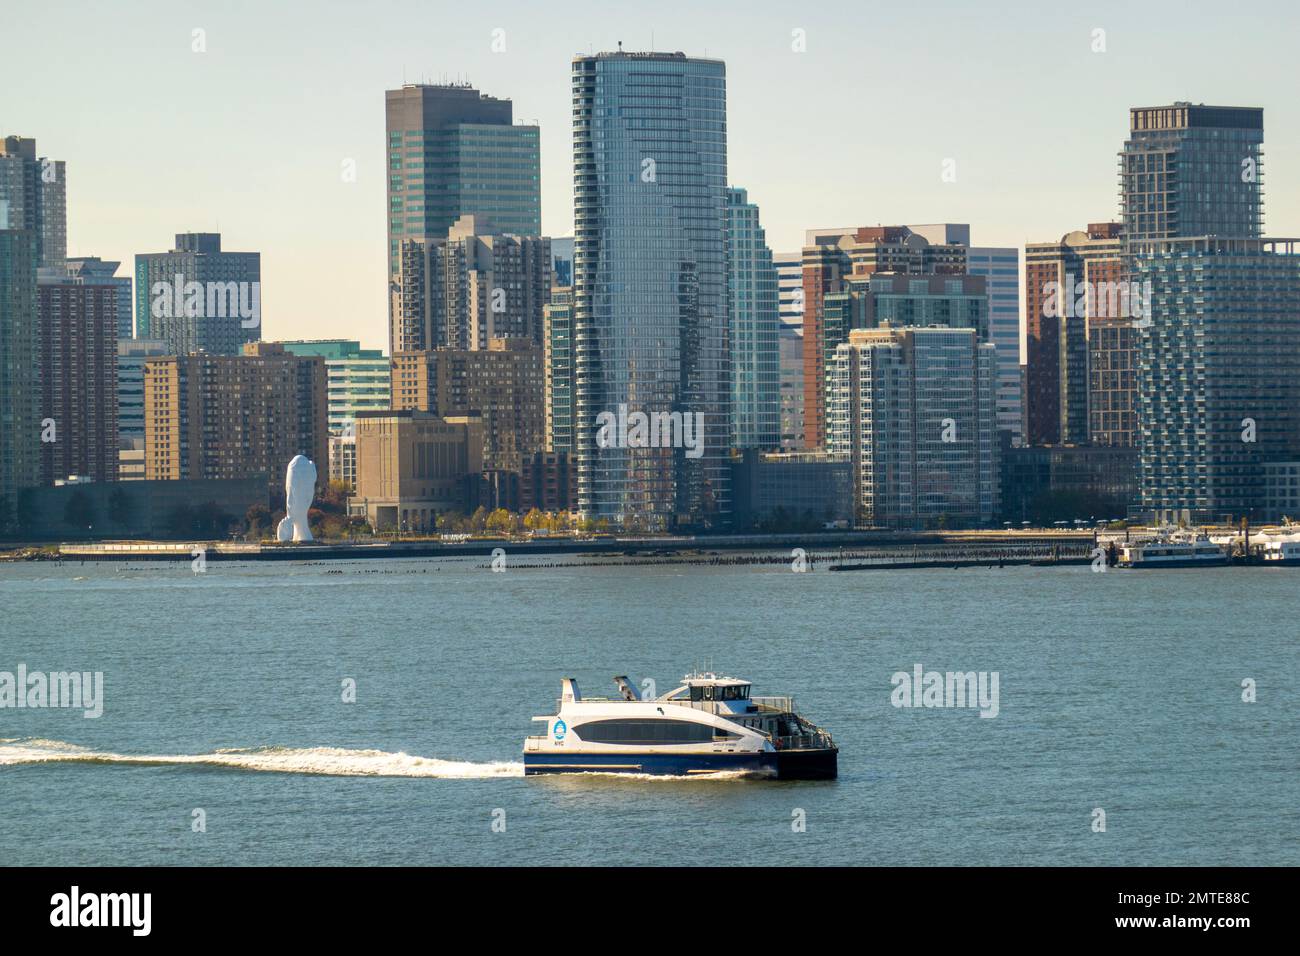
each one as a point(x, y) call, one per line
point(1026, 169)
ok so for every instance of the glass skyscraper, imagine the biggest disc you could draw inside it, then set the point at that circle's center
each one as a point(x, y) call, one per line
point(650, 287)
point(755, 328)
point(453, 151)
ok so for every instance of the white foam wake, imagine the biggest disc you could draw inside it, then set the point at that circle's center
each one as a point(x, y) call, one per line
point(328, 761)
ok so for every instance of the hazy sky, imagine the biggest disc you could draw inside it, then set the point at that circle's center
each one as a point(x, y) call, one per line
point(249, 137)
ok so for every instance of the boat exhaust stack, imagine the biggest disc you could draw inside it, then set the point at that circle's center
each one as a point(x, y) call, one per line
point(569, 689)
point(626, 689)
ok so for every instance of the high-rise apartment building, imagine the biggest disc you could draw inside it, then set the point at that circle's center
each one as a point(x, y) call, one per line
point(20, 395)
point(1192, 170)
point(453, 151)
point(1071, 286)
point(234, 416)
point(1218, 373)
point(77, 333)
point(650, 287)
point(33, 196)
point(503, 385)
point(755, 328)
point(1112, 381)
point(789, 289)
point(868, 300)
point(199, 298)
point(830, 258)
point(913, 410)
point(91, 270)
point(1000, 268)
point(558, 336)
point(462, 291)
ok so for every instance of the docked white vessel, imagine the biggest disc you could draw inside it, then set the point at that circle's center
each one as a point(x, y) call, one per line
point(709, 724)
point(1284, 549)
point(1173, 551)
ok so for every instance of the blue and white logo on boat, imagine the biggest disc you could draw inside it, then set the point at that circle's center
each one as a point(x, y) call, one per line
point(561, 728)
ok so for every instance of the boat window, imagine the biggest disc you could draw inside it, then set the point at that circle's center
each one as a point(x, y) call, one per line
point(697, 693)
point(649, 732)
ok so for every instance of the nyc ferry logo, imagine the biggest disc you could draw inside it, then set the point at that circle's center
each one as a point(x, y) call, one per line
point(561, 728)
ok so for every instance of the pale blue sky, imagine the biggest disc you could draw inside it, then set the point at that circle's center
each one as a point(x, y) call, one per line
point(248, 138)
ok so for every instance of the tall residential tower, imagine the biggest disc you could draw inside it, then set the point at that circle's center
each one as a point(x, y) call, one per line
point(650, 289)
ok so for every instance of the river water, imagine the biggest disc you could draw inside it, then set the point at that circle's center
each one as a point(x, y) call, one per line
point(225, 737)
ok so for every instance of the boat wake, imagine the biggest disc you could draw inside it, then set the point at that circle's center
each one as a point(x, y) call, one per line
point(323, 761)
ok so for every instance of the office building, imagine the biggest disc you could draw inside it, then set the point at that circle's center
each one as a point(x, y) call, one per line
point(453, 151)
point(357, 379)
point(1044, 484)
point(1000, 268)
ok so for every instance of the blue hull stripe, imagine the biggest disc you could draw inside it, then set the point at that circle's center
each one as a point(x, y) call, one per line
point(667, 764)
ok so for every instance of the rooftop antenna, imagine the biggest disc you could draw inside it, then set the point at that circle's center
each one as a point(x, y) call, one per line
point(620, 46)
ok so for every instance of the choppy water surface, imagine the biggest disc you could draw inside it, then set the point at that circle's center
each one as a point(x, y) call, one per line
point(222, 692)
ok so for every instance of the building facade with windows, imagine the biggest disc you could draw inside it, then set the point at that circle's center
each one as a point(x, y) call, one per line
point(232, 416)
point(453, 151)
point(1218, 373)
point(913, 411)
point(650, 282)
point(755, 328)
point(198, 297)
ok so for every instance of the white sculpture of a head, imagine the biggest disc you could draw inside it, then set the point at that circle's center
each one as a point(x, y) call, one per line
point(299, 492)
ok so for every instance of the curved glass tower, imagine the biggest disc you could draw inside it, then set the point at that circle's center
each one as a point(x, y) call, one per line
point(650, 289)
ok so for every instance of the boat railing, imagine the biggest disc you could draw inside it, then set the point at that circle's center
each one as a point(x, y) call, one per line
point(817, 740)
point(783, 704)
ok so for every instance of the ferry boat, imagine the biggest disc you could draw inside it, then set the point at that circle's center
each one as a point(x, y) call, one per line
point(709, 724)
point(1192, 551)
point(1281, 550)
